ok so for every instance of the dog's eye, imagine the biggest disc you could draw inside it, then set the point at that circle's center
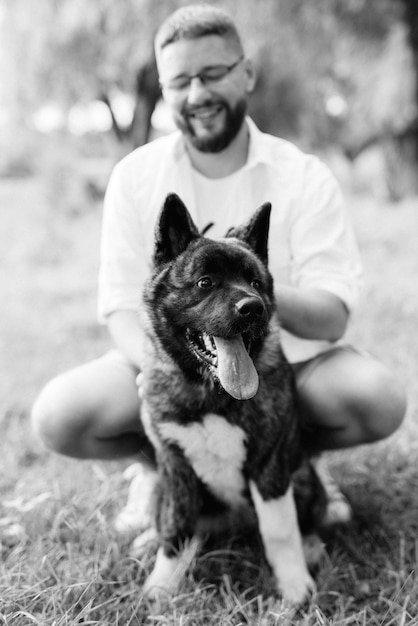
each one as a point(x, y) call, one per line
point(205, 282)
point(256, 284)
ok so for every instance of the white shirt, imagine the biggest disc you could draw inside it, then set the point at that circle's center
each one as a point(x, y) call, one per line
point(311, 243)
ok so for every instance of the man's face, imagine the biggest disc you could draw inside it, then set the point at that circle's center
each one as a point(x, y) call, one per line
point(209, 113)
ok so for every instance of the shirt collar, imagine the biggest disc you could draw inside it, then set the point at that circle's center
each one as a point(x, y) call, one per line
point(257, 152)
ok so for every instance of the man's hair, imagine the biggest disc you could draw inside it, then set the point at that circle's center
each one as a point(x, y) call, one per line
point(194, 21)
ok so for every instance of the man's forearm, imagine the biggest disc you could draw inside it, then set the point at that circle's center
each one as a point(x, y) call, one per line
point(128, 335)
point(311, 313)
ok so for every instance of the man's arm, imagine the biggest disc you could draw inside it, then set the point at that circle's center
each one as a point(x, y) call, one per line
point(128, 335)
point(311, 313)
point(325, 266)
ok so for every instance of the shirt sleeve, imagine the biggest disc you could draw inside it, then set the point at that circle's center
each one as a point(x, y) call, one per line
point(124, 266)
point(324, 251)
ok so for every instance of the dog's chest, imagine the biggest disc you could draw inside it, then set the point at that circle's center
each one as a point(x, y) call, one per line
point(216, 450)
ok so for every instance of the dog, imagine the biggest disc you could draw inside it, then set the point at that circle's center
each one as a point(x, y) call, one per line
point(218, 400)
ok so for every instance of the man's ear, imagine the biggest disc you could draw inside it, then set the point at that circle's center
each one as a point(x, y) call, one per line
point(251, 75)
point(174, 231)
point(255, 232)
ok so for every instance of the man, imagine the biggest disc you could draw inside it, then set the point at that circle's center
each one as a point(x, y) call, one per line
point(223, 168)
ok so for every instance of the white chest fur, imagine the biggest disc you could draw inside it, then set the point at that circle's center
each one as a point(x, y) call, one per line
point(216, 450)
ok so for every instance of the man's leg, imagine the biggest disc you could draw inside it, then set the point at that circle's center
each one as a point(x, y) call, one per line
point(92, 411)
point(347, 398)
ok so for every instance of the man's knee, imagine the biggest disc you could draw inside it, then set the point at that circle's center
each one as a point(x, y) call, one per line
point(55, 417)
point(380, 403)
point(353, 399)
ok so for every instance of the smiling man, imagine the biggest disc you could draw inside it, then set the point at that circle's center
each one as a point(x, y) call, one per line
point(223, 167)
point(209, 120)
point(206, 79)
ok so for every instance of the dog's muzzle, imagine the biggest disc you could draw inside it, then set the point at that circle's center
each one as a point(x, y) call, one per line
point(229, 361)
point(251, 308)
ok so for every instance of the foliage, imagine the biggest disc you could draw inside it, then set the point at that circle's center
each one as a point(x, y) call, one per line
point(307, 53)
point(313, 54)
point(83, 52)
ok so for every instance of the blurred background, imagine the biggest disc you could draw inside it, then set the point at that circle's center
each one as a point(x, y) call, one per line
point(78, 85)
point(79, 89)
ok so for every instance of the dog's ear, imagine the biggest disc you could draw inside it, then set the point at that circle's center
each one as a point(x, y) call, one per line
point(174, 231)
point(255, 232)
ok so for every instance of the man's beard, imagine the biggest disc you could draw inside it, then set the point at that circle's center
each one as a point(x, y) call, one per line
point(218, 141)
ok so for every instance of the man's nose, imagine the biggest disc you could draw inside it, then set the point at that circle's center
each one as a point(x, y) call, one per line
point(197, 90)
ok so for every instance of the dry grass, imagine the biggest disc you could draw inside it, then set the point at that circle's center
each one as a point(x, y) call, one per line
point(60, 562)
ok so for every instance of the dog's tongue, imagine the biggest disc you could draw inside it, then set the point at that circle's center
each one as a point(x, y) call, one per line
point(236, 370)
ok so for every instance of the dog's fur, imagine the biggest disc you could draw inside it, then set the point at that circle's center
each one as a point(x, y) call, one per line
point(222, 448)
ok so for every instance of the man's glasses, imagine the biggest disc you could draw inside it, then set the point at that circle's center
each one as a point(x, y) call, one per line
point(207, 76)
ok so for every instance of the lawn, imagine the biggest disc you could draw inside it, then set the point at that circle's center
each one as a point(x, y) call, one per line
point(60, 562)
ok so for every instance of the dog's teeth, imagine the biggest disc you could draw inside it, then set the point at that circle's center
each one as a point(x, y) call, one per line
point(203, 347)
point(208, 343)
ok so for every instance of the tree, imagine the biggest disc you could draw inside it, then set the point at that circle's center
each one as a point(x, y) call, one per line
point(411, 19)
point(70, 51)
point(307, 53)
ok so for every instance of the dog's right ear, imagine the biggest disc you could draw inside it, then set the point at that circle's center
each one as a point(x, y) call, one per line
point(174, 231)
point(255, 232)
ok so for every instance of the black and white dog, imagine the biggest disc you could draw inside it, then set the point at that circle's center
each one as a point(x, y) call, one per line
point(218, 400)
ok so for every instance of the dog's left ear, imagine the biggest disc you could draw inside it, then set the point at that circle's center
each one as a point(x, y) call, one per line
point(255, 232)
point(174, 231)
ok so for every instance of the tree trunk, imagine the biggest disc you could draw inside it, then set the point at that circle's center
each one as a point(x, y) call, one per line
point(147, 95)
point(411, 20)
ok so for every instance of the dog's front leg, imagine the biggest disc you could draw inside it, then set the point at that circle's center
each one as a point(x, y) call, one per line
point(177, 511)
point(169, 571)
point(278, 524)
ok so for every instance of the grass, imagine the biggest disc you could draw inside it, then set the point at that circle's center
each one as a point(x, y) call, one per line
point(60, 562)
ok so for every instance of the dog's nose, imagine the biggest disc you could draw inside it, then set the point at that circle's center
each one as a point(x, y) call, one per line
point(250, 306)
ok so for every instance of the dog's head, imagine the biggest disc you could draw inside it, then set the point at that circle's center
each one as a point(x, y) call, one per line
point(210, 301)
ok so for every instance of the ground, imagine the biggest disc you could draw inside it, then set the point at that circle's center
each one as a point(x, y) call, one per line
point(61, 563)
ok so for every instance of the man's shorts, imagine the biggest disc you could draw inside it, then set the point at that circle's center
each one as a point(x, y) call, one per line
point(302, 369)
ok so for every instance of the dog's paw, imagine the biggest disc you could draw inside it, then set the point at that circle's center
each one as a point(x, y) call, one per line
point(313, 549)
point(165, 578)
point(296, 590)
point(338, 512)
point(155, 589)
point(144, 543)
point(169, 572)
point(138, 513)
